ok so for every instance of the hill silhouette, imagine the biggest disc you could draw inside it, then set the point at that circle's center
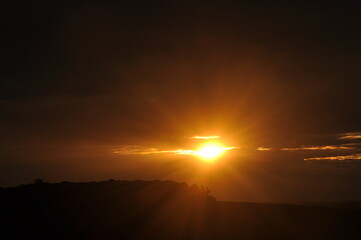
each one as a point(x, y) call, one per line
point(159, 210)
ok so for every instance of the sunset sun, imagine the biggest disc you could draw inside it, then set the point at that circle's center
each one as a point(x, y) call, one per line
point(210, 152)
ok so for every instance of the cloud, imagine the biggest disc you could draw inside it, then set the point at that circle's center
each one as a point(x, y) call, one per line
point(318, 148)
point(139, 150)
point(205, 137)
point(134, 149)
point(263, 149)
point(183, 152)
point(356, 156)
point(351, 135)
point(351, 144)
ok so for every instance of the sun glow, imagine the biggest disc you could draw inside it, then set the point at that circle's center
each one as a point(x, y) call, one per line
point(210, 152)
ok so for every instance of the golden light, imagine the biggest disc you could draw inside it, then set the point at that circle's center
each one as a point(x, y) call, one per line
point(210, 152)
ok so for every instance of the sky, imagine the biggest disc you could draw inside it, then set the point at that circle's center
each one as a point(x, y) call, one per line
point(93, 90)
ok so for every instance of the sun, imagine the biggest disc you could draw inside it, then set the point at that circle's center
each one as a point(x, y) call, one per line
point(210, 152)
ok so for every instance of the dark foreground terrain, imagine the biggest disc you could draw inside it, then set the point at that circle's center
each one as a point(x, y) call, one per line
point(159, 210)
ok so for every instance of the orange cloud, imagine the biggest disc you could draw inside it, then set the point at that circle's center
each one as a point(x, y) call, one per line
point(356, 156)
point(352, 135)
point(315, 148)
point(134, 149)
point(138, 150)
point(205, 137)
point(263, 149)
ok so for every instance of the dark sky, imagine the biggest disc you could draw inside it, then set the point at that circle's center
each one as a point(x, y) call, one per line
point(82, 78)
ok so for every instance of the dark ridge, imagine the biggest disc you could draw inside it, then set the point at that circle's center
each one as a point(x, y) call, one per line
point(103, 210)
point(159, 210)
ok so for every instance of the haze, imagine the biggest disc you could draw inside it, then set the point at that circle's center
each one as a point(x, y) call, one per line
point(109, 89)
